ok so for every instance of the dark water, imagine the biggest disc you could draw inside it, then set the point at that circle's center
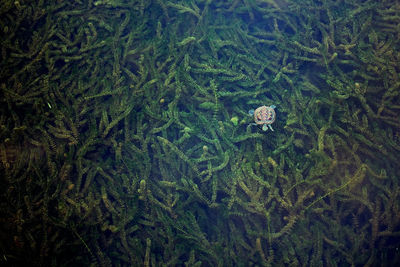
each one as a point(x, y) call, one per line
point(125, 137)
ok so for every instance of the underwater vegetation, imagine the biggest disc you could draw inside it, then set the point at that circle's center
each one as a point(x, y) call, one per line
point(125, 137)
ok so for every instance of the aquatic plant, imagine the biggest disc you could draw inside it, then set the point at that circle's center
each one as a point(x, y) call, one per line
point(125, 137)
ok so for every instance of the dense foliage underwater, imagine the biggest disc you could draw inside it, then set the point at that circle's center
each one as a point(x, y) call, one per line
point(126, 137)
